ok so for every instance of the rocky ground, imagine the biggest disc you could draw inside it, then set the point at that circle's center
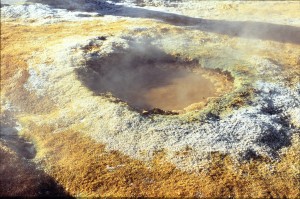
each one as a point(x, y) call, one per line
point(73, 139)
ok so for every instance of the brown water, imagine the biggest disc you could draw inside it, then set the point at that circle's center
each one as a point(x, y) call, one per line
point(147, 79)
point(181, 92)
point(147, 86)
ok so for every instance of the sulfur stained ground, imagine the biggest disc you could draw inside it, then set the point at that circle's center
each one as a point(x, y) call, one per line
point(84, 168)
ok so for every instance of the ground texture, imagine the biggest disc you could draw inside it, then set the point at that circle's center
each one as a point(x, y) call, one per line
point(63, 134)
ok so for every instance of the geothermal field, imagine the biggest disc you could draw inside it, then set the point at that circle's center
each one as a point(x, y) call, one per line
point(150, 98)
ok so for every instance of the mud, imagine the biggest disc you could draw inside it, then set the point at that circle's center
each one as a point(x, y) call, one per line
point(147, 79)
point(180, 92)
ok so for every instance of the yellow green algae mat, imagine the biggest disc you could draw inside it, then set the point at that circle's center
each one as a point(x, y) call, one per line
point(150, 98)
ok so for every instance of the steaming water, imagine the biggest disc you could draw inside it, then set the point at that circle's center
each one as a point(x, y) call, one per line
point(145, 77)
point(162, 86)
point(144, 86)
point(181, 92)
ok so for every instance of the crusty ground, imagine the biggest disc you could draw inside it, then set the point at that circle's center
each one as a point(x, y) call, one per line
point(84, 168)
point(73, 160)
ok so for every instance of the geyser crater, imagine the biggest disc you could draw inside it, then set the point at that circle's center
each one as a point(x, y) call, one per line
point(147, 78)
